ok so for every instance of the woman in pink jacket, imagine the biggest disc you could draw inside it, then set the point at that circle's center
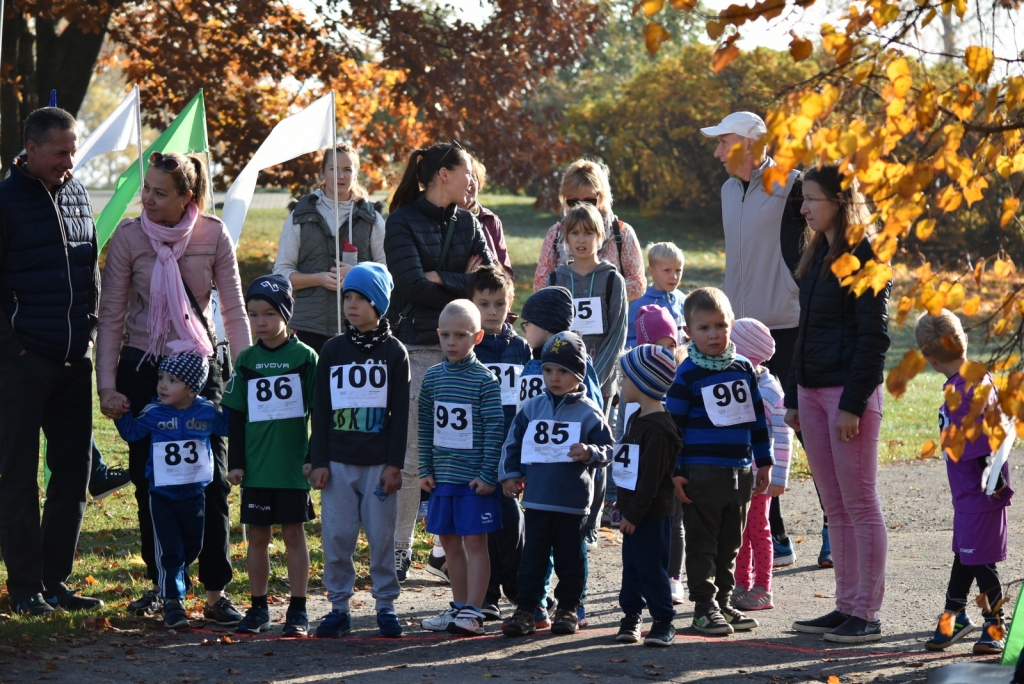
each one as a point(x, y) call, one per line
point(157, 266)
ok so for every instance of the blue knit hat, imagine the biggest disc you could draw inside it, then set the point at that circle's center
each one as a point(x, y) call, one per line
point(566, 350)
point(550, 309)
point(651, 368)
point(373, 281)
point(190, 368)
point(275, 290)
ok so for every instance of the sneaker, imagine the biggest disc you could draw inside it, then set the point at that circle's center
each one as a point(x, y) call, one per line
point(564, 622)
point(678, 591)
point(821, 625)
point(825, 555)
point(541, 619)
point(855, 631)
point(403, 559)
point(296, 623)
point(388, 624)
point(988, 643)
point(440, 622)
point(581, 616)
point(256, 620)
point(438, 567)
point(758, 598)
point(629, 629)
point(962, 626)
point(591, 539)
point(33, 606)
point(738, 593)
point(469, 622)
point(708, 619)
point(115, 479)
point(223, 612)
point(737, 618)
point(174, 615)
point(150, 604)
point(615, 517)
point(491, 612)
point(663, 633)
point(69, 600)
point(784, 554)
point(333, 625)
point(520, 624)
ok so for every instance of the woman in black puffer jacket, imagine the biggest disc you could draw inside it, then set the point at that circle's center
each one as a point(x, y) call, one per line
point(835, 395)
point(423, 210)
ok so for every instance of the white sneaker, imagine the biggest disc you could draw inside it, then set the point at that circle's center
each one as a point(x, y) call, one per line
point(468, 621)
point(440, 622)
point(678, 591)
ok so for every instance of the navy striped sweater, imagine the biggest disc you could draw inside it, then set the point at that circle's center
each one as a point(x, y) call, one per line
point(705, 443)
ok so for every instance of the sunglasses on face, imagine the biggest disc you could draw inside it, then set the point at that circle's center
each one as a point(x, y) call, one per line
point(168, 164)
point(455, 145)
point(575, 202)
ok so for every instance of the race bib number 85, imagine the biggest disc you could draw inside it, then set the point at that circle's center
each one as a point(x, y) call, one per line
point(453, 425)
point(181, 463)
point(728, 403)
point(548, 441)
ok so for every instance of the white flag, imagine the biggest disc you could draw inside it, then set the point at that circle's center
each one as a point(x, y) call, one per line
point(116, 133)
point(310, 130)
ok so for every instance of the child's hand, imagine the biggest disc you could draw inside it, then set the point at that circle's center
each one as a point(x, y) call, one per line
point(579, 452)
point(235, 477)
point(481, 487)
point(513, 487)
point(427, 483)
point(679, 482)
point(307, 468)
point(776, 490)
point(391, 478)
point(793, 419)
point(626, 527)
point(764, 478)
point(847, 426)
point(318, 477)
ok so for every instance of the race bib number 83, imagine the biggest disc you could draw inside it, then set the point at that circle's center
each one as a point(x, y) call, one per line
point(181, 463)
point(728, 403)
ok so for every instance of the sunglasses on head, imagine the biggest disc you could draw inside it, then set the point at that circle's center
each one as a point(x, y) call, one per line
point(168, 164)
point(575, 202)
point(455, 145)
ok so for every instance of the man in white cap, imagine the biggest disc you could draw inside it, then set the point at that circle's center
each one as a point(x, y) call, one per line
point(764, 238)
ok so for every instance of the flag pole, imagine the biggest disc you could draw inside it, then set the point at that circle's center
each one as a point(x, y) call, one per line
point(337, 219)
point(138, 122)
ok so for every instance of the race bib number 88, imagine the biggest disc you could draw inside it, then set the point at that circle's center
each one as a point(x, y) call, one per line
point(728, 403)
point(530, 386)
point(181, 463)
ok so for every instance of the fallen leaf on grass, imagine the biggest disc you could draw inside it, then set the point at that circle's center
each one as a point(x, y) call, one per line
point(95, 625)
point(619, 660)
point(90, 580)
point(233, 671)
point(833, 679)
point(799, 540)
point(51, 666)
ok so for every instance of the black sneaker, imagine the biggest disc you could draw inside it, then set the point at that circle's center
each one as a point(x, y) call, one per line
point(855, 631)
point(150, 604)
point(629, 629)
point(491, 612)
point(564, 622)
point(708, 619)
point(821, 625)
point(33, 606)
point(115, 479)
point(403, 559)
point(663, 633)
point(256, 619)
point(438, 567)
point(223, 612)
point(175, 616)
point(69, 600)
point(296, 623)
point(737, 618)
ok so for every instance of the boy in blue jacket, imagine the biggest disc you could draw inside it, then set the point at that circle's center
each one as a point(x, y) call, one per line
point(555, 440)
point(179, 467)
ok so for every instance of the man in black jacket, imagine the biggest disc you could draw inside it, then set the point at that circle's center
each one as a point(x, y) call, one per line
point(49, 292)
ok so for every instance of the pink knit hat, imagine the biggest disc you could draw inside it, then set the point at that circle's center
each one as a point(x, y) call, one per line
point(654, 322)
point(753, 340)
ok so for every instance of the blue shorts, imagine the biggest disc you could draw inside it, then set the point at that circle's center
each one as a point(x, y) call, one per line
point(457, 509)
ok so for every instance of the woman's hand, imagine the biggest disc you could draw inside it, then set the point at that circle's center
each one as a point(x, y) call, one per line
point(433, 277)
point(113, 404)
point(847, 426)
point(342, 271)
point(793, 419)
point(329, 279)
point(475, 262)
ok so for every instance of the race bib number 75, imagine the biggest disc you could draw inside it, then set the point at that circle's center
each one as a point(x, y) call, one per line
point(728, 403)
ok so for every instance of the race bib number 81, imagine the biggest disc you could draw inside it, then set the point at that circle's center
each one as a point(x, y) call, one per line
point(548, 441)
point(507, 374)
point(728, 403)
point(275, 398)
point(181, 463)
point(453, 425)
point(358, 385)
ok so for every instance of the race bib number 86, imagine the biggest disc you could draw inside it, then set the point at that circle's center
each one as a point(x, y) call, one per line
point(275, 398)
point(728, 403)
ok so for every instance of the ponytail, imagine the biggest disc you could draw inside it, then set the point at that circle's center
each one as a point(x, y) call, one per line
point(422, 169)
point(409, 189)
point(201, 183)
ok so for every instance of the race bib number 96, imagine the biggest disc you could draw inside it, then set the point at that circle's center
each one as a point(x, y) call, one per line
point(548, 441)
point(275, 398)
point(453, 425)
point(359, 385)
point(181, 463)
point(728, 403)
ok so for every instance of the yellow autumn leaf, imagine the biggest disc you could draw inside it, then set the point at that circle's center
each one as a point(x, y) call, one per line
point(684, 5)
point(955, 296)
point(650, 7)
point(714, 29)
point(1002, 268)
point(903, 310)
point(833, 679)
point(845, 265)
point(800, 48)
point(1010, 205)
point(897, 68)
point(979, 61)
point(972, 371)
point(924, 229)
point(724, 56)
point(954, 398)
point(654, 35)
point(949, 199)
point(972, 305)
point(928, 449)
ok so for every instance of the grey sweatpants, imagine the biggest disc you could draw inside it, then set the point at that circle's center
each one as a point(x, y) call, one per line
point(354, 495)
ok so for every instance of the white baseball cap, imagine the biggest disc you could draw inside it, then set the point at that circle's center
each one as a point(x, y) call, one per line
point(744, 124)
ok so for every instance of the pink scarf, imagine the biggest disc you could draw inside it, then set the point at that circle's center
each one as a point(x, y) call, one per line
point(168, 303)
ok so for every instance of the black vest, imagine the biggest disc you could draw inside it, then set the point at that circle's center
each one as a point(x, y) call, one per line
point(48, 286)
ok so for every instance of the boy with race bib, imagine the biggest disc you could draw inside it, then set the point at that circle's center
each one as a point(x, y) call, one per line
point(718, 409)
point(179, 467)
point(460, 429)
point(642, 464)
point(357, 448)
point(555, 441)
point(267, 402)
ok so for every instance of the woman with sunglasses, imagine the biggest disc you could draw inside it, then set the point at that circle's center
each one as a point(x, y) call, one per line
point(425, 216)
point(586, 182)
point(156, 264)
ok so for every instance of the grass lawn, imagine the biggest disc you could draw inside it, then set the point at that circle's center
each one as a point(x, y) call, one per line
point(109, 565)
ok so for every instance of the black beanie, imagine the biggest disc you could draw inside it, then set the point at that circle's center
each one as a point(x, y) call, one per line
point(550, 309)
point(566, 350)
point(276, 290)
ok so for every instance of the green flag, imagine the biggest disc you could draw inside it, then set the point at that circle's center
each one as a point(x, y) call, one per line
point(1015, 637)
point(187, 134)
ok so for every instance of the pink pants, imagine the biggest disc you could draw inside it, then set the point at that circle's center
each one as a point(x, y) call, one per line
point(846, 476)
point(756, 551)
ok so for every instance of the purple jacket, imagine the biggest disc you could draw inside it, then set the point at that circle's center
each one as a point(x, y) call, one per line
point(495, 238)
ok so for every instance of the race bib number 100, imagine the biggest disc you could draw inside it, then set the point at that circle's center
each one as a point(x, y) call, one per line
point(453, 425)
point(508, 376)
point(548, 441)
point(358, 385)
point(728, 403)
point(626, 465)
point(181, 463)
point(275, 398)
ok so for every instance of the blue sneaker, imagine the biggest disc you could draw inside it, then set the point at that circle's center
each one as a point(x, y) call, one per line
point(296, 623)
point(387, 624)
point(784, 553)
point(541, 619)
point(335, 624)
point(255, 620)
point(581, 616)
point(825, 555)
point(989, 643)
point(962, 626)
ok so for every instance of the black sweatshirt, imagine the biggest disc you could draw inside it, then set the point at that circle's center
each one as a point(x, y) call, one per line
point(659, 442)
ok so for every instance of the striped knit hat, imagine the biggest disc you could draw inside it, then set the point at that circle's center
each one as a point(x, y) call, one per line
point(753, 340)
point(651, 368)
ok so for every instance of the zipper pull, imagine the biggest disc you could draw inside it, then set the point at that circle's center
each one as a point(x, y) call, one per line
point(736, 478)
